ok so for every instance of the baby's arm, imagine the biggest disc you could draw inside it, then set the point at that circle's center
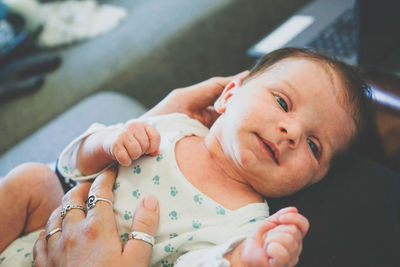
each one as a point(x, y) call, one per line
point(122, 144)
point(277, 242)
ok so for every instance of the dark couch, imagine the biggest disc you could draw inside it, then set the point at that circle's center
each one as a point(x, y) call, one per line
point(354, 213)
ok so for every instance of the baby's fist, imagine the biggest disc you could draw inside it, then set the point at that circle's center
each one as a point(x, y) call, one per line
point(131, 141)
point(276, 242)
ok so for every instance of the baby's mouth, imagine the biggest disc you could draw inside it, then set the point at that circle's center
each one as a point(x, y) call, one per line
point(272, 148)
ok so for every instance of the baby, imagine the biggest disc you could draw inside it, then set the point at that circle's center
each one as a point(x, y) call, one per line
point(278, 131)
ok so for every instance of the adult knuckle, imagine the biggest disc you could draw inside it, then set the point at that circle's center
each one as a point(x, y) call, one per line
point(72, 194)
point(69, 240)
point(145, 224)
point(91, 229)
point(95, 188)
point(67, 197)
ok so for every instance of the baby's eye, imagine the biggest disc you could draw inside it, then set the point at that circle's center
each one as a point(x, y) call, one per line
point(282, 102)
point(313, 147)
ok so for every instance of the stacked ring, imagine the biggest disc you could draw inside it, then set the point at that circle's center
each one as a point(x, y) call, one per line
point(70, 207)
point(52, 232)
point(92, 200)
point(143, 236)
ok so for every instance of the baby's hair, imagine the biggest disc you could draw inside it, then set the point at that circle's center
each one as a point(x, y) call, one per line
point(357, 94)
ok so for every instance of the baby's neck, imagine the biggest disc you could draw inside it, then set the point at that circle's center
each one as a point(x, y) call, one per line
point(206, 171)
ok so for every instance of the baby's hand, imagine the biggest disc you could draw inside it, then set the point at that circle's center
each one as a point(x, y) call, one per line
point(131, 141)
point(277, 242)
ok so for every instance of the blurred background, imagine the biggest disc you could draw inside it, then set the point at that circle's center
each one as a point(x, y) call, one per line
point(54, 54)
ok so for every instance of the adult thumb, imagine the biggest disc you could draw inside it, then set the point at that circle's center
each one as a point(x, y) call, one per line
point(145, 223)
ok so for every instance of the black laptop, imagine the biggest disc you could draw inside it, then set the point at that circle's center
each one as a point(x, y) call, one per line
point(359, 32)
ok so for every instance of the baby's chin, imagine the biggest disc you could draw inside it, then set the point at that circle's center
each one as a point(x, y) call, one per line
point(282, 190)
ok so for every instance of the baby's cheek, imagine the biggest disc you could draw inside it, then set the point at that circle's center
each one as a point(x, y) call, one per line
point(296, 185)
point(301, 177)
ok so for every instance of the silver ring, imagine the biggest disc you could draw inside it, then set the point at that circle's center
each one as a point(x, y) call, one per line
point(143, 236)
point(70, 207)
point(91, 201)
point(52, 232)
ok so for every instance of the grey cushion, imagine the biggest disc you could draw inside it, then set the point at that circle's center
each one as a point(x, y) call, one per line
point(45, 144)
point(162, 44)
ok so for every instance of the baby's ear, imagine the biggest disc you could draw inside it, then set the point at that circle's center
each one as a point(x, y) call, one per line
point(220, 103)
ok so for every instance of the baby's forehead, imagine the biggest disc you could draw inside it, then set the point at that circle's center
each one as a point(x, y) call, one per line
point(314, 68)
point(311, 68)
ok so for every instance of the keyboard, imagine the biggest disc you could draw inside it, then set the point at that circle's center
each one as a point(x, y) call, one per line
point(338, 39)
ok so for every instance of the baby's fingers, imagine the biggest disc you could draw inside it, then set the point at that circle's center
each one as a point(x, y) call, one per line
point(278, 255)
point(284, 244)
point(141, 138)
point(135, 144)
point(296, 219)
point(154, 140)
point(121, 155)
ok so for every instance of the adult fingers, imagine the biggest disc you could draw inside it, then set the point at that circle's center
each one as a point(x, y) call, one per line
point(40, 251)
point(242, 75)
point(145, 220)
point(101, 197)
point(52, 227)
point(76, 196)
point(206, 92)
point(224, 81)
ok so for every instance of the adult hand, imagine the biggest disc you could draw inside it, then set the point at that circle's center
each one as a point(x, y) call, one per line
point(275, 243)
point(196, 100)
point(92, 239)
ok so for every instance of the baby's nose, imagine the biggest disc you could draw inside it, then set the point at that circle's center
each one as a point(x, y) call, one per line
point(292, 133)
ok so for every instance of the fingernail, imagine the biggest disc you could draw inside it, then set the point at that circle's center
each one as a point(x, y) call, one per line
point(150, 202)
point(155, 153)
point(271, 261)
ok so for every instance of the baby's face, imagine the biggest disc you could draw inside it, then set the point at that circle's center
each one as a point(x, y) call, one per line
point(281, 128)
